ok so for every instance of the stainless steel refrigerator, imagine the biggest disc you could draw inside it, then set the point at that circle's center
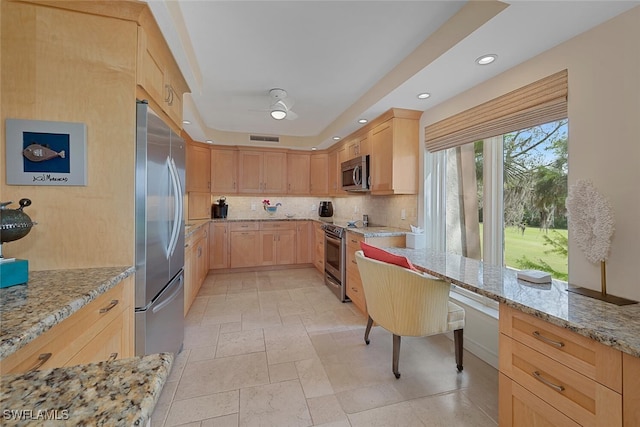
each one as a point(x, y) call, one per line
point(159, 216)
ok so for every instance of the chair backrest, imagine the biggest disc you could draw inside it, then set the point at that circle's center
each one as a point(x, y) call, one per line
point(402, 301)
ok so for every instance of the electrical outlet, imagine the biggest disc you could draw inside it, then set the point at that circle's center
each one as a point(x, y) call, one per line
point(313, 208)
point(253, 206)
point(355, 209)
point(403, 214)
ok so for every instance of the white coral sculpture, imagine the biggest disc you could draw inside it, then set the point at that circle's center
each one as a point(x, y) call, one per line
point(591, 220)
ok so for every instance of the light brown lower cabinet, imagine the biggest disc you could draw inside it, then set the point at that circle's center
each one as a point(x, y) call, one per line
point(244, 244)
point(304, 242)
point(552, 376)
point(318, 258)
point(277, 243)
point(265, 243)
point(196, 264)
point(101, 330)
point(218, 245)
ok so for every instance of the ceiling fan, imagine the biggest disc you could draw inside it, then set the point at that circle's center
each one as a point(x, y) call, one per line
point(281, 105)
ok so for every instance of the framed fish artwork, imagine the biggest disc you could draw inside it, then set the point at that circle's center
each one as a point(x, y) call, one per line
point(46, 153)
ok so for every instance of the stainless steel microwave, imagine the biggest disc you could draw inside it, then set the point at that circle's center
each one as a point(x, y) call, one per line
point(355, 174)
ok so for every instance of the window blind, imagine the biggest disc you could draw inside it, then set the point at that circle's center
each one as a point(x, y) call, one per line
point(539, 102)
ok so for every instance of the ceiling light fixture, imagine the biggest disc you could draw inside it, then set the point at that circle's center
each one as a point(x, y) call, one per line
point(423, 95)
point(186, 122)
point(278, 114)
point(486, 59)
point(336, 138)
point(362, 121)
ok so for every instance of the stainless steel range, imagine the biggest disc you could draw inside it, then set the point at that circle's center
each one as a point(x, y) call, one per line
point(335, 259)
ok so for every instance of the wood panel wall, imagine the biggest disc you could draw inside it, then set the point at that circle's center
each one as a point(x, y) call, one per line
point(61, 65)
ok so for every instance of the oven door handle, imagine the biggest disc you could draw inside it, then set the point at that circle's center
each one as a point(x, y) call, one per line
point(332, 239)
point(332, 281)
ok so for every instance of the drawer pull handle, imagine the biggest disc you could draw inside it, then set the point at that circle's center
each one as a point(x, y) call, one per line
point(544, 381)
point(42, 359)
point(112, 357)
point(353, 261)
point(542, 338)
point(109, 307)
point(354, 241)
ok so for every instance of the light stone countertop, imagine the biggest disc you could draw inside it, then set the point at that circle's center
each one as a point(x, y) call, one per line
point(50, 296)
point(372, 231)
point(612, 325)
point(119, 393)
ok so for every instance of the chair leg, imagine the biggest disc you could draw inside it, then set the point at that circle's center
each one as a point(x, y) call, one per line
point(458, 341)
point(396, 354)
point(366, 332)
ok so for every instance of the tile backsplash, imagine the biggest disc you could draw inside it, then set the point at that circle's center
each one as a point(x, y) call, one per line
point(382, 210)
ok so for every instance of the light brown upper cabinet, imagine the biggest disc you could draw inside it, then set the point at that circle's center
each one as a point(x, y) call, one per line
point(394, 157)
point(298, 173)
point(158, 75)
point(224, 171)
point(198, 168)
point(318, 175)
point(333, 177)
point(262, 172)
point(343, 156)
point(359, 146)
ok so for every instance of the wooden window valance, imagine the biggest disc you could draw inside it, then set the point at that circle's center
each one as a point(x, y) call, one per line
point(534, 104)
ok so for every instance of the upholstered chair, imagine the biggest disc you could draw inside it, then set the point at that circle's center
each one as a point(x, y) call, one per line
point(408, 303)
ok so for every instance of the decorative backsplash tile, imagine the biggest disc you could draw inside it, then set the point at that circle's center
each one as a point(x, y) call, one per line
point(382, 210)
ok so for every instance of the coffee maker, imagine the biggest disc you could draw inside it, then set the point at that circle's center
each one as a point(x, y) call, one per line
point(325, 209)
point(221, 209)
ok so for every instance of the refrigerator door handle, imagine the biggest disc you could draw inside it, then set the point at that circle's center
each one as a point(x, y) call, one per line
point(177, 218)
point(170, 298)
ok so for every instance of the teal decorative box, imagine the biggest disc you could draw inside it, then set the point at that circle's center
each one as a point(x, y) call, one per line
point(14, 272)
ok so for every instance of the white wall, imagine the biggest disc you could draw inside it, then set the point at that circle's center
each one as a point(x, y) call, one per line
point(604, 133)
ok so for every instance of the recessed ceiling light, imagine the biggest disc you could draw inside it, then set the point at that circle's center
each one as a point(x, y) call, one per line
point(423, 95)
point(209, 141)
point(336, 138)
point(186, 122)
point(313, 148)
point(486, 59)
point(363, 121)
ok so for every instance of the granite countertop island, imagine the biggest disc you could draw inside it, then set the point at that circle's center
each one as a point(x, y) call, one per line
point(27, 311)
point(119, 393)
point(615, 326)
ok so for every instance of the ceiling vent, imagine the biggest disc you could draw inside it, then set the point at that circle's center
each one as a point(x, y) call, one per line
point(264, 138)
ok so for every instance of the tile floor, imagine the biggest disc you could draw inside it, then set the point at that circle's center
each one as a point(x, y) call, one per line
point(277, 348)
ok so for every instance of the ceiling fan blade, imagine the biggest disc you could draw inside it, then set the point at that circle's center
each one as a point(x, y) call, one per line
point(291, 115)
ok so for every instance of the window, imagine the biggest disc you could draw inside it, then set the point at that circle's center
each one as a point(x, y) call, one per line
point(504, 199)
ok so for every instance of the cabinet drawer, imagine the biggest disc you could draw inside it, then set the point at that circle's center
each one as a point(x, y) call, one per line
point(108, 344)
point(58, 345)
point(353, 242)
point(520, 408)
point(244, 226)
point(580, 398)
point(355, 292)
point(278, 225)
point(590, 358)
